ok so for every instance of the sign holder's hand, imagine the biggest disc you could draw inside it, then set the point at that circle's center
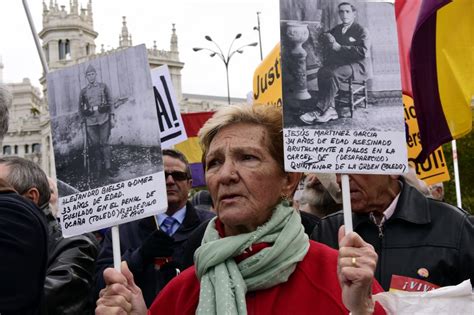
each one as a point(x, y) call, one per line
point(121, 294)
point(356, 265)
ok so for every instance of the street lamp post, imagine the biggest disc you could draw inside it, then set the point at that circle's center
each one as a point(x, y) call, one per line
point(225, 58)
point(257, 28)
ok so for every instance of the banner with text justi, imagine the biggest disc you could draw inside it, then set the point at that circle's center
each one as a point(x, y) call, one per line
point(267, 80)
point(433, 169)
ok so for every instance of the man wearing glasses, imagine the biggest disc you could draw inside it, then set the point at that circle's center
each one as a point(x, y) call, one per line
point(154, 255)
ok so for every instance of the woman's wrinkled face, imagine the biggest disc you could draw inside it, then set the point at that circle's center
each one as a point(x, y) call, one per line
point(244, 180)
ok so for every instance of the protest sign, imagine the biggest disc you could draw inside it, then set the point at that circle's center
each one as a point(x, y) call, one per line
point(267, 80)
point(434, 169)
point(342, 104)
point(106, 142)
point(169, 119)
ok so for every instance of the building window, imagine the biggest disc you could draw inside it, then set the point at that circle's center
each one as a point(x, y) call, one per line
point(27, 149)
point(7, 150)
point(15, 149)
point(62, 52)
point(36, 148)
point(64, 47)
point(88, 49)
point(67, 49)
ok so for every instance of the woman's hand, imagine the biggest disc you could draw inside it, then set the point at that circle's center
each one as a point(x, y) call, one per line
point(121, 295)
point(356, 265)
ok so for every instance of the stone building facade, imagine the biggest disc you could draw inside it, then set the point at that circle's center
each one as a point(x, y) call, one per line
point(68, 37)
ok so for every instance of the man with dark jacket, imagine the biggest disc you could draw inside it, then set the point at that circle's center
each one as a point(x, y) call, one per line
point(23, 242)
point(24, 248)
point(71, 261)
point(414, 236)
point(155, 255)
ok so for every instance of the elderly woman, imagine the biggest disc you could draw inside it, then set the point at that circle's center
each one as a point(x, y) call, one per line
point(255, 257)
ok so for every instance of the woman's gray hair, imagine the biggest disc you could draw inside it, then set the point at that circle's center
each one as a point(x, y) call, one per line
point(25, 174)
point(5, 102)
point(267, 116)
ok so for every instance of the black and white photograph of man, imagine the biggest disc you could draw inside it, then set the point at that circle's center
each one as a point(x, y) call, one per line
point(346, 76)
point(104, 121)
point(346, 49)
point(95, 107)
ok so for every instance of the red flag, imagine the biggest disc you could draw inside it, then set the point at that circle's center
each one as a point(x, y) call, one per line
point(406, 12)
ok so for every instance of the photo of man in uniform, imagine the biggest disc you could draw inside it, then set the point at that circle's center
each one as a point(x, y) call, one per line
point(95, 108)
point(346, 55)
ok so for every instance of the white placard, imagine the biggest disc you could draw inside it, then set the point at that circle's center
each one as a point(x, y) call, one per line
point(342, 100)
point(113, 204)
point(106, 142)
point(169, 118)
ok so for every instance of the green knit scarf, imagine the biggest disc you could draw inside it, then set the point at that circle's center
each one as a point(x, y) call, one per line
point(224, 283)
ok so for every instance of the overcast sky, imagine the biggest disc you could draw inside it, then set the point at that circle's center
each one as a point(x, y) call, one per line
point(150, 20)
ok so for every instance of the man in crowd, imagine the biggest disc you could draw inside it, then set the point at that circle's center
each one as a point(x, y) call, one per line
point(413, 235)
point(346, 55)
point(53, 200)
point(317, 198)
point(23, 242)
point(153, 254)
point(95, 107)
point(71, 261)
point(437, 191)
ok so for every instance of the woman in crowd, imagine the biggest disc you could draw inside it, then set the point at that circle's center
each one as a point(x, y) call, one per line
point(255, 257)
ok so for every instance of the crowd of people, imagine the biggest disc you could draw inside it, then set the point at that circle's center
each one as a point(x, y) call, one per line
point(245, 250)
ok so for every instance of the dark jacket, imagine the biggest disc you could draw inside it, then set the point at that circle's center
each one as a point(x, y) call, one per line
point(70, 274)
point(132, 235)
point(355, 50)
point(422, 233)
point(308, 220)
point(24, 254)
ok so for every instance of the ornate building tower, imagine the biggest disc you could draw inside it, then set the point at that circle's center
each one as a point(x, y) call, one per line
point(158, 57)
point(68, 37)
point(125, 39)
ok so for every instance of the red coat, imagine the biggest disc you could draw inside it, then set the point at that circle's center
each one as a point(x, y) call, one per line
point(313, 288)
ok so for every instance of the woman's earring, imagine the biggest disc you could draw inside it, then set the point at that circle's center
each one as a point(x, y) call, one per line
point(285, 199)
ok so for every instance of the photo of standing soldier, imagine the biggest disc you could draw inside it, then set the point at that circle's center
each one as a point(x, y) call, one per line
point(95, 108)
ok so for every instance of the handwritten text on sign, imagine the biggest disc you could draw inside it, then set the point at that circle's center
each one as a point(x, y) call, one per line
point(344, 151)
point(113, 204)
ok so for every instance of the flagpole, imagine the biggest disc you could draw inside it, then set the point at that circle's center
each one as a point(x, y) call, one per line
point(456, 174)
point(36, 38)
